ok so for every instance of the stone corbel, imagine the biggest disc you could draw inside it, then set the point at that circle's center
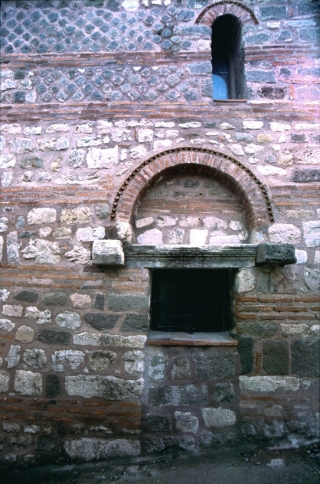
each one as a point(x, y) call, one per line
point(108, 252)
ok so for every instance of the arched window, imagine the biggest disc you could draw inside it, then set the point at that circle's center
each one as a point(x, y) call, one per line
point(227, 58)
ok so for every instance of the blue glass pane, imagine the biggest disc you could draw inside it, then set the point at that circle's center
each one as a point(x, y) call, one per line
point(220, 88)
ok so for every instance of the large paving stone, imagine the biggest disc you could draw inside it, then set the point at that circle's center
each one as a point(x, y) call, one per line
point(212, 365)
point(305, 357)
point(276, 357)
point(178, 395)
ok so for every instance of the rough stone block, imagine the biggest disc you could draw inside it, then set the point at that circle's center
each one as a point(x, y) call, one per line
point(218, 417)
point(311, 233)
point(42, 216)
point(27, 296)
point(68, 319)
point(127, 302)
point(101, 321)
point(215, 364)
point(304, 175)
point(284, 233)
point(276, 357)
point(101, 360)
point(224, 392)
point(305, 357)
point(35, 357)
point(157, 367)
point(52, 385)
point(54, 298)
point(245, 350)
point(6, 325)
point(186, 422)
point(25, 334)
point(276, 254)
point(158, 423)
point(135, 323)
point(52, 336)
point(4, 381)
point(180, 368)
point(108, 252)
point(108, 387)
point(94, 449)
point(268, 384)
point(178, 395)
point(28, 383)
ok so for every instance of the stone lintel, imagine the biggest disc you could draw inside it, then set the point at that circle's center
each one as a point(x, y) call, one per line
point(280, 254)
point(186, 256)
point(107, 253)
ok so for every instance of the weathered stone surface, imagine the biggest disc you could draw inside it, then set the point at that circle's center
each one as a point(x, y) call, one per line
point(101, 360)
point(245, 350)
point(42, 216)
point(293, 329)
point(158, 423)
point(180, 368)
point(62, 233)
point(224, 392)
point(135, 323)
point(25, 334)
point(305, 175)
point(4, 294)
point(13, 311)
point(52, 336)
point(13, 357)
point(27, 296)
point(68, 319)
point(305, 357)
point(311, 233)
point(284, 233)
point(266, 384)
point(157, 367)
point(127, 302)
point(245, 280)
point(94, 449)
point(46, 443)
point(52, 385)
point(108, 252)
point(99, 301)
point(102, 158)
point(312, 278)
point(150, 237)
point(1, 247)
point(252, 124)
point(54, 299)
point(186, 422)
point(134, 362)
point(89, 234)
point(218, 417)
point(79, 255)
point(13, 247)
point(6, 325)
point(109, 340)
point(178, 395)
point(80, 301)
point(275, 254)
point(276, 357)
point(77, 215)
point(257, 328)
point(43, 251)
point(108, 387)
point(42, 317)
point(215, 364)
point(75, 359)
point(101, 321)
point(35, 357)
point(4, 381)
point(28, 383)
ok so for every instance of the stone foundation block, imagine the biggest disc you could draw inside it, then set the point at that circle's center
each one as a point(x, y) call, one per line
point(107, 252)
point(94, 449)
point(218, 417)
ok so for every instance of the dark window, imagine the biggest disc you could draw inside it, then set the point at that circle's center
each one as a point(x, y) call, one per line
point(227, 58)
point(190, 300)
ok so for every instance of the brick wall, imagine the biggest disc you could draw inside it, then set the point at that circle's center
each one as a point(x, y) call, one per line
point(104, 104)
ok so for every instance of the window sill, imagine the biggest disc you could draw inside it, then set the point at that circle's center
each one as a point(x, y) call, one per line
point(163, 338)
point(230, 101)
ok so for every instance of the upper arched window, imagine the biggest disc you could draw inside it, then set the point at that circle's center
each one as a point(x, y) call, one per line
point(227, 58)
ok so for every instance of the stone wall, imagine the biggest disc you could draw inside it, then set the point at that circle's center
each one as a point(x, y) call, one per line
point(94, 125)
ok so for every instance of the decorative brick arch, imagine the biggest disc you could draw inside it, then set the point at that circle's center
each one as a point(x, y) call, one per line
point(211, 12)
point(253, 191)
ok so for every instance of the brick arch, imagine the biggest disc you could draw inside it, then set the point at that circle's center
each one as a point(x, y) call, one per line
point(251, 188)
point(211, 12)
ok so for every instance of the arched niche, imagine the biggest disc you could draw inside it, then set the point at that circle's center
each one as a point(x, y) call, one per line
point(223, 7)
point(231, 175)
point(191, 204)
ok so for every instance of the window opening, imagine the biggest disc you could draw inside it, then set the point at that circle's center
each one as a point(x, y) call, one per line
point(190, 300)
point(227, 58)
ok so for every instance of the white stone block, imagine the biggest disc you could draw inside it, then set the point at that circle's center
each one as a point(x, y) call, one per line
point(266, 384)
point(252, 124)
point(103, 158)
point(89, 234)
point(150, 237)
point(198, 237)
point(311, 233)
point(218, 417)
point(6, 325)
point(13, 311)
point(28, 383)
point(108, 252)
point(4, 381)
point(42, 216)
point(245, 280)
point(284, 233)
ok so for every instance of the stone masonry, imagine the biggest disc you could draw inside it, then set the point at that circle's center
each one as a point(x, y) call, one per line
point(110, 138)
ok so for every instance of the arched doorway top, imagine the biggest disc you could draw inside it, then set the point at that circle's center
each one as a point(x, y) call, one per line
point(222, 7)
point(252, 188)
